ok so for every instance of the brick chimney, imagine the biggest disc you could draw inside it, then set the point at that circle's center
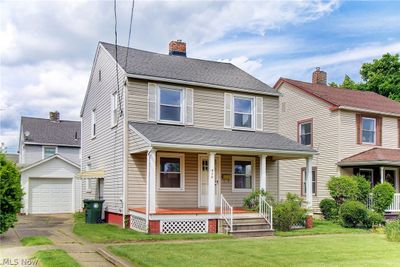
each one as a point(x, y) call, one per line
point(319, 76)
point(177, 48)
point(54, 116)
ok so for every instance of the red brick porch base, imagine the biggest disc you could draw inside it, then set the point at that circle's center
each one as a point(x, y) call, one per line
point(154, 227)
point(115, 218)
point(212, 226)
point(309, 221)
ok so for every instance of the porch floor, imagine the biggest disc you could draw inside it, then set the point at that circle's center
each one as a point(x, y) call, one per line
point(165, 211)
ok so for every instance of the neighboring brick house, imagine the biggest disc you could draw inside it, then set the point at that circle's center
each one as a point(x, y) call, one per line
point(49, 158)
point(178, 137)
point(355, 132)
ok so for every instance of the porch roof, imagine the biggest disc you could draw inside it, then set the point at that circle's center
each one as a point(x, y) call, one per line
point(374, 156)
point(161, 135)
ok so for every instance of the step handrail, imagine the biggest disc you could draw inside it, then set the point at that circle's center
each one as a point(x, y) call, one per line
point(227, 212)
point(265, 210)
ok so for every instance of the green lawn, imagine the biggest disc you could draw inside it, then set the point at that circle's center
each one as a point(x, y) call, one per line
point(322, 227)
point(328, 250)
point(108, 233)
point(35, 241)
point(55, 258)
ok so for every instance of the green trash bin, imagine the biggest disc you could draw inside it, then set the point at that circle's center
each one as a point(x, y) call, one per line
point(93, 210)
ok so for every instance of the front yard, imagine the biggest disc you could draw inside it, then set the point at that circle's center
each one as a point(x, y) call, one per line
point(328, 250)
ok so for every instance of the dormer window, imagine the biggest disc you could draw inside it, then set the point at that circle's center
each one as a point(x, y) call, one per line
point(49, 151)
point(243, 112)
point(170, 105)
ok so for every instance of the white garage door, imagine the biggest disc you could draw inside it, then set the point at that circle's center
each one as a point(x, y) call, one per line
point(50, 195)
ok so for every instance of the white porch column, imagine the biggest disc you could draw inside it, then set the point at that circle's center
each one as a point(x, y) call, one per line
point(309, 196)
point(151, 159)
point(382, 175)
point(263, 172)
point(211, 182)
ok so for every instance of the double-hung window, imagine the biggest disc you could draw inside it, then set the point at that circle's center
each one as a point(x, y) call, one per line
point(305, 133)
point(368, 130)
point(171, 171)
point(170, 105)
point(93, 123)
point(243, 174)
point(314, 181)
point(243, 108)
point(49, 151)
point(114, 109)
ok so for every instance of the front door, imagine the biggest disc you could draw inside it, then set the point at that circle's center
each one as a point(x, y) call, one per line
point(203, 181)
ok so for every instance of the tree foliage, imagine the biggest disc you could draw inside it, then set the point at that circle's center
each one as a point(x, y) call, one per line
point(381, 76)
point(10, 193)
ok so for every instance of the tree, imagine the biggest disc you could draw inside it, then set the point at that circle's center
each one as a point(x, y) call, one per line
point(381, 76)
point(10, 193)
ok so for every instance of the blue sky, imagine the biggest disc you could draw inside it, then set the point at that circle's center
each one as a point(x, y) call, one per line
point(47, 47)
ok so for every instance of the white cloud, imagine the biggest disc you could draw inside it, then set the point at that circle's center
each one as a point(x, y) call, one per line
point(245, 63)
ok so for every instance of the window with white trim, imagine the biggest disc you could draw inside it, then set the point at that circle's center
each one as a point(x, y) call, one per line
point(314, 181)
point(243, 112)
point(170, 171)
point(49, 151)
point(243, 174)
point(114, 109)
point(93, 123)
point(170, 105)
point(368, 130)
point(305, 133)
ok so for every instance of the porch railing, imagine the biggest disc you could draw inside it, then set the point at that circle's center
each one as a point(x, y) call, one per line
point(227, 212)
point(265, 210)
point(394, 207)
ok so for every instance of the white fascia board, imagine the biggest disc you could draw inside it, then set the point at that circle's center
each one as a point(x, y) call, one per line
point(368, 111)
point(159, 79)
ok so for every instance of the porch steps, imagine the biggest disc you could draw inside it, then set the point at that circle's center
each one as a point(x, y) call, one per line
point(249, 226)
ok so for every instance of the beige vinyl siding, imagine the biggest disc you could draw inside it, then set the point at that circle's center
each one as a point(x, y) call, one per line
point(301, 106)
point(348, 144)
point(208, 106)
point(136, 143)
point(106, 149)
point(137, 171)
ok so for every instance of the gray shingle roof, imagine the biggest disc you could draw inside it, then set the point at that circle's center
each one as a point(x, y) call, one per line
point(187, 69)
point(171, 134)
point(43, 131)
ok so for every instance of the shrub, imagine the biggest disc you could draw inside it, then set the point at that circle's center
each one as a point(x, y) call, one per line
point(353, 213)
point(329, 208)
point(392, 231)
point(373, 219)
point(364, 189)
point(343, 188)
point(252, 200)
point(289, 212)
point(10, 194)
point(382, 195)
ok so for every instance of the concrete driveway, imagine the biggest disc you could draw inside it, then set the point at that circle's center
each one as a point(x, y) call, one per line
point(58, 228)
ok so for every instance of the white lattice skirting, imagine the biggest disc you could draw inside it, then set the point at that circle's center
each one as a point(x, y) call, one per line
point(184, 226)
point(138, 223)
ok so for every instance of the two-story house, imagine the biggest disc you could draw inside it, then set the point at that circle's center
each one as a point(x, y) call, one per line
point(49, 158)
point(176, 143)
point(355, 132)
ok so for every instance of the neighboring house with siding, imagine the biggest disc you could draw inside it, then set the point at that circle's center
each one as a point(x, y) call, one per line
point(355, 132)
point(176, 137)
point(49, 158)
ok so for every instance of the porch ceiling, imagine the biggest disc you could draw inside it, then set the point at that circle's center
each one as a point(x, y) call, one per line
point(222, 141)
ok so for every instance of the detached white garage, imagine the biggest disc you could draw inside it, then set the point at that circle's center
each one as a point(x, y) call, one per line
point(50, 186)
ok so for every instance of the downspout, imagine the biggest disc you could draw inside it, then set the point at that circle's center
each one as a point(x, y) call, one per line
point(125, 154)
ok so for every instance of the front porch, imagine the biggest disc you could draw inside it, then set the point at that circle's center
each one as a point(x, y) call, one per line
point(199, 182)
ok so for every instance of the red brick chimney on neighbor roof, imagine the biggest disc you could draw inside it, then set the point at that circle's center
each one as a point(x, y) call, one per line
point(177, 48)
point(54, 116)
point(319, 76)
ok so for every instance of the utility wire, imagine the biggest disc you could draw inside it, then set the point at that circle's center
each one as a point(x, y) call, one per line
point(116, 56)
point(129, 35)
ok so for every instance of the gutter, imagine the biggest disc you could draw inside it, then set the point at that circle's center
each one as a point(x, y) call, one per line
point(368, 111)
point(368, 163)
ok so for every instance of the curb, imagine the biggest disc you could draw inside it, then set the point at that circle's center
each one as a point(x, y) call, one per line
point(111, 258)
